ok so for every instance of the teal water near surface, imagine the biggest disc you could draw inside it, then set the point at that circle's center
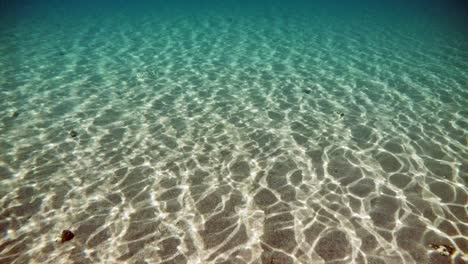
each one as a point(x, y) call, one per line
point(234, 131)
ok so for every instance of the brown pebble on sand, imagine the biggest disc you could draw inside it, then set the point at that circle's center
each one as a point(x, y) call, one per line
point(66, 235)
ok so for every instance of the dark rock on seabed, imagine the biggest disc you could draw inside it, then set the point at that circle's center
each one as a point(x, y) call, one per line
point(66, 235)
point(73, 134)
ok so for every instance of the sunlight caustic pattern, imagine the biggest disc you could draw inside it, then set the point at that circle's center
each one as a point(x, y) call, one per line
point(210, 139)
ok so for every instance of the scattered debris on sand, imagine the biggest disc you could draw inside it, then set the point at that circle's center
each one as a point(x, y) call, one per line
point(340, 114)
point(444, 250)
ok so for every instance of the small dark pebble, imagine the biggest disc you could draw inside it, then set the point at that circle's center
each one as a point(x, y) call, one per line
point(67, 235)
point(15, 114)
point(341, 114)
point(73, 134)
point(307, 91)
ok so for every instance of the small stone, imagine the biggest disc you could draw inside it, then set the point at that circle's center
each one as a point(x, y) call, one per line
point(307, 91)
point(73, 134)
point(341, 114)
point(66, 235)
point(15, 114)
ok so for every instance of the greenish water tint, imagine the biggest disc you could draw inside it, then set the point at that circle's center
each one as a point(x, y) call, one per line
point(234, 131)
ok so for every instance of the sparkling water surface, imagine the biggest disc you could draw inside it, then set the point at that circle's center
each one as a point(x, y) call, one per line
point(234, 132)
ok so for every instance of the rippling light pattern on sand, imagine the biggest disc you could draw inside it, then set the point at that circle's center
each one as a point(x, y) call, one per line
point(232, 138)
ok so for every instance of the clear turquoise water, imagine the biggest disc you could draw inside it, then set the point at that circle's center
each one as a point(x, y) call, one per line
point(234, 132)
